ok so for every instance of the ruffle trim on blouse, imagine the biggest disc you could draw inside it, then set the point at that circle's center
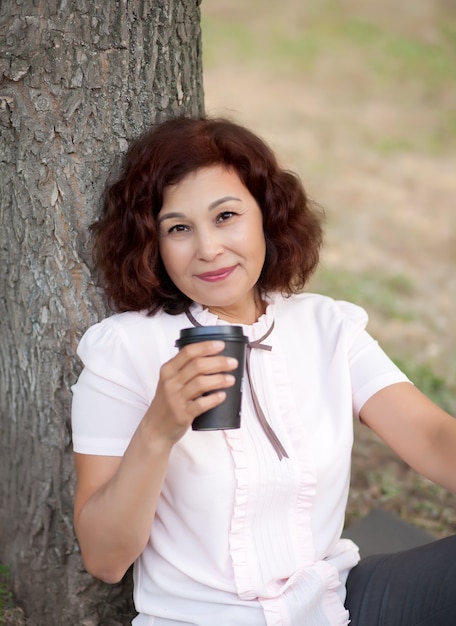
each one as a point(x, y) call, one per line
point(332, 605)
point(253, 331)
point(301, 453)
point(236, 537)
point(291, 431)
point(310, 597)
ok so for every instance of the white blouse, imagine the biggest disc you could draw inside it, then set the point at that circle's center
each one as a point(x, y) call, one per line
point(240, 537)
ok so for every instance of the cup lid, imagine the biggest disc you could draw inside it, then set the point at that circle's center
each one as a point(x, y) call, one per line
point(206, 333)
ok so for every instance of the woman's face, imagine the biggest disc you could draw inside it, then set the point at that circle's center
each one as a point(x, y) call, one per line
point(212, 242)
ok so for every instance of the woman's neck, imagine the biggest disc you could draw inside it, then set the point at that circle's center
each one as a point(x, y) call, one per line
point(241, 314)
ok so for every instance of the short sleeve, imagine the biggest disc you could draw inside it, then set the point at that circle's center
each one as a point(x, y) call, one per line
point(370, 368)
point(108, 399)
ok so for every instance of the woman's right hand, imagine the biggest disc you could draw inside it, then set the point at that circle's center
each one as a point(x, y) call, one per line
point(190, 383)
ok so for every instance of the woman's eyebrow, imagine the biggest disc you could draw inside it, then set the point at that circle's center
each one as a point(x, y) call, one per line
point(216, 203)
point(213, 205)
point(168, 216)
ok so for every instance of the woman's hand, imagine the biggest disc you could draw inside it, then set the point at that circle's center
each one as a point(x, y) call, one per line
point(190, 383)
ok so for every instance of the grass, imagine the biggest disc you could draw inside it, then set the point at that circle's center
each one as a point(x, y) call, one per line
point(388, 294)
point(10, 614)
point(433, 512)
point(431, 384)
point(332, 33)
point(349, 49)
point(6, 597)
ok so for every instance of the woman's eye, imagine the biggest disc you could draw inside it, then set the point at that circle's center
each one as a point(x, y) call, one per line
point(178, 228)
point(222, 217)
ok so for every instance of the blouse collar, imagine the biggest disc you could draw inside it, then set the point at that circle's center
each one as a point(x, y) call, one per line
point(253, 331)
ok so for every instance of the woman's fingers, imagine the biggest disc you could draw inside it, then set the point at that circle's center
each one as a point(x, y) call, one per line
point(193, 381)
point(207, 384)
point(199, 359)
point(207, 373)
point(203, 375)
point(195, 351)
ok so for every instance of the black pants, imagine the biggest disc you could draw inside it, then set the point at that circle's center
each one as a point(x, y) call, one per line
point(412, 588)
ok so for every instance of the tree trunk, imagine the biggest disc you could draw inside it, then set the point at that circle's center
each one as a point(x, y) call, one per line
point(78, 80)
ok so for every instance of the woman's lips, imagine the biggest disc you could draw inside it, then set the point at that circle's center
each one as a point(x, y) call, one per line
point(216, 275)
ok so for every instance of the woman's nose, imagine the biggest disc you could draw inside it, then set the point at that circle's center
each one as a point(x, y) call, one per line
point(209, 245)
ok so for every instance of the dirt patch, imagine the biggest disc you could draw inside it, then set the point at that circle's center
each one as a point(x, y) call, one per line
point(13, 617)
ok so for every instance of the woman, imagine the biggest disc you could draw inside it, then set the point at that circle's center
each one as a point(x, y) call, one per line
point(237, 527)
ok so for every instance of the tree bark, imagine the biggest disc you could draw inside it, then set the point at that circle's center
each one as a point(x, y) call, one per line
point(78, 80)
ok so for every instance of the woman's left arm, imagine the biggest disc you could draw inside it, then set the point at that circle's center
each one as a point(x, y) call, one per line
point(418, 430)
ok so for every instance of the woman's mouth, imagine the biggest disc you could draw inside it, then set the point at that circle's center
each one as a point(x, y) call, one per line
point(216, 275)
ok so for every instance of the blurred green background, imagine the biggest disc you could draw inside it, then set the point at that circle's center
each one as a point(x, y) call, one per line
point(359, 98)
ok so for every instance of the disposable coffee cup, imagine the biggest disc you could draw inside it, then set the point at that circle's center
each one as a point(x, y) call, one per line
point(226, 415)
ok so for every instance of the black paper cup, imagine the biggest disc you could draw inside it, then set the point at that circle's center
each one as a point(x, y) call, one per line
point(227, 414)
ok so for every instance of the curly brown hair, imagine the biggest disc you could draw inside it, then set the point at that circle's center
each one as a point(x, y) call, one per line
point(126, 251)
